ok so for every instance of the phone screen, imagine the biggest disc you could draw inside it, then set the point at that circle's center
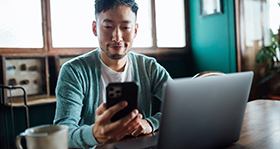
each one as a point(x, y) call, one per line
point(116, 92)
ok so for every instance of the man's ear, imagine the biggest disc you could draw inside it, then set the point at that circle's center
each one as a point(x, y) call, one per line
point(136, 29)
point(94, 30)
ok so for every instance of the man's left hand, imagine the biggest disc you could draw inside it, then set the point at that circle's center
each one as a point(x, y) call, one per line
point(144, 128)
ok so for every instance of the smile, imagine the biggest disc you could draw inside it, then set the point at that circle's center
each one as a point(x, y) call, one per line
point(117, 47)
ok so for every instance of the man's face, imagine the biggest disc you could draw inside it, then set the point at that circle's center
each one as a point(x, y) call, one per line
point(116, 30)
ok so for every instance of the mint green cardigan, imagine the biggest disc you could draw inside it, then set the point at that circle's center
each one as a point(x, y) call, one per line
point(78, 87)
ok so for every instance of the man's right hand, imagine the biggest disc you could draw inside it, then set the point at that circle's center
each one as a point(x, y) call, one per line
point(105, 131)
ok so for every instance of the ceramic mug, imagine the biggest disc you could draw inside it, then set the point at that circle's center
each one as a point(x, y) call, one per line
point(44, 137)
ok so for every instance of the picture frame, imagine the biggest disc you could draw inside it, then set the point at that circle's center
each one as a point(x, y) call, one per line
point(27, 70)
point(211, 7)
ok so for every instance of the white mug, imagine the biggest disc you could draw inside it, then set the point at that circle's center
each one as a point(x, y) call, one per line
point(44, 137)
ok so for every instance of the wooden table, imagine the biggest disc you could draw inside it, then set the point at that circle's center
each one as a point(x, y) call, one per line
point(260, 129)
point(261, 126)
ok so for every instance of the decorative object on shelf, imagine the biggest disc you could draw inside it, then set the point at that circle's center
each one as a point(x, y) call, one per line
point(23, 67)
point(11, 67)
point(29, 70)
point(33, 68)
point(210, 7)
point(24, 82)
point(35, 81)
point(12, 81)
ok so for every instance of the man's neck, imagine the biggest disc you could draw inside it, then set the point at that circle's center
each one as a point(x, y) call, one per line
point(116, 65)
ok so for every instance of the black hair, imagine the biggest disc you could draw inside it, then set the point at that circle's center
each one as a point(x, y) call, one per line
point(104, 5)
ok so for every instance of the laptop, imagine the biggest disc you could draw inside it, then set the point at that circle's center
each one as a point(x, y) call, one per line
point(200, 113)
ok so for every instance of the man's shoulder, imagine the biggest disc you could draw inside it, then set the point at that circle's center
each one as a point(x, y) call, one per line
point(140, 57)
point(87, 59)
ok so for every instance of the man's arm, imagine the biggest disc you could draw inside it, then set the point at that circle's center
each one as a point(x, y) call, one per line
point(69, 94)
point(69, 109)
point(154, 77)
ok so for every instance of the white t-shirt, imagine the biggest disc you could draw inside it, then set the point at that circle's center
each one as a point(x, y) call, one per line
point(108, 75)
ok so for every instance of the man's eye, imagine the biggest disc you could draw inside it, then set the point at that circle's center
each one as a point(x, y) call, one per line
point(107, 26)
point(126, 27)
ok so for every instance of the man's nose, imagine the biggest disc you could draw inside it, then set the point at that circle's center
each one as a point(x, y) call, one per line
point(117, 35)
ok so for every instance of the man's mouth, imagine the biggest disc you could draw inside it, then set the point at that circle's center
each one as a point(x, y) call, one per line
point(117, 47)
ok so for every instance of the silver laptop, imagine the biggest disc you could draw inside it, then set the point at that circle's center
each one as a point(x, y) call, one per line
point(200, 113)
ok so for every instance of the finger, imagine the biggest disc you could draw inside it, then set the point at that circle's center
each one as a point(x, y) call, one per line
point(110, 112)
point(124, 123)
point(122, 132)
point(101, 109)
point(121, 128)
point(127, 122)
point(131, 126)
point(128, 131)
point(137, 131)
point(130, 117)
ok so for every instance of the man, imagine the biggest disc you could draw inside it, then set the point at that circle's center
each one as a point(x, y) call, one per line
point(81, 84)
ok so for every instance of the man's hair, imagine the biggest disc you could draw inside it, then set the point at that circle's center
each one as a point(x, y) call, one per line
point(104, 5)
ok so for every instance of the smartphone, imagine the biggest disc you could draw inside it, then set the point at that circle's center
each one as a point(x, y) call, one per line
point(119, 91)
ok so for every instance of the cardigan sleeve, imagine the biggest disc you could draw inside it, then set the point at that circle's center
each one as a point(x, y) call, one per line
point(69, 94)
point(158, 77)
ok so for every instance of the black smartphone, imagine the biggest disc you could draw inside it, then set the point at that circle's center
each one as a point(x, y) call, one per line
point(119, 91)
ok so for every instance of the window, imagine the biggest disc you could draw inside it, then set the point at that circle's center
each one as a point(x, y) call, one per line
point(21, 24)
point(260, 17)
point(71, 23)
point(274, 11)
point(170, 24)
point(66, 24)
point(72, 26)
point(255, 19)
point(144, 19)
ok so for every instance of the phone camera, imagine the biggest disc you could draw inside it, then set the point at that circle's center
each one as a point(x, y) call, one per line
point(114, 92)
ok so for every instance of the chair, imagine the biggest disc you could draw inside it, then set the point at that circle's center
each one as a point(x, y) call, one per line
point(4, 120)
point(208, 73)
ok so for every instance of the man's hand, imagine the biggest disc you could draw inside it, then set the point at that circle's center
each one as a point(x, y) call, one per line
point(105, 131)
point(144, 128)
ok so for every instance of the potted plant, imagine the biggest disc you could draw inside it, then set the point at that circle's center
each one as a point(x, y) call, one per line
point(268, 55)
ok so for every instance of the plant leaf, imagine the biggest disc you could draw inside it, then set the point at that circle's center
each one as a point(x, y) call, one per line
point(273, 51)
point(260, 58)
point(267, 78)
point(267, 54)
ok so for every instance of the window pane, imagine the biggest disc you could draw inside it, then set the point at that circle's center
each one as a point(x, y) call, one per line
point(274, 15)
point(144, 19)
point(21, 24)
point(253, 26)
point(71, 22)
point(170, 23)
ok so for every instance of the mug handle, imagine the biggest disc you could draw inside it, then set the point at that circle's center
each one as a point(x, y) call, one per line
point(18, 140)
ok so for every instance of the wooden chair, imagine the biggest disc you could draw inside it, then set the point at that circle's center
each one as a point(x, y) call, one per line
point(208, 73)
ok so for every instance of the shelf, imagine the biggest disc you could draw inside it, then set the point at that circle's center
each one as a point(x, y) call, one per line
point(51, 99)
